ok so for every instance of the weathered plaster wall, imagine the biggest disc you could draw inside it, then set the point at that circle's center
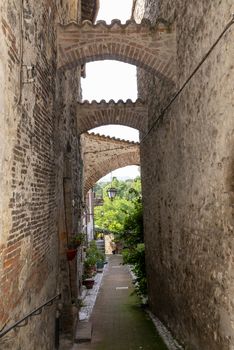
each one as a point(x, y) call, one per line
point(138, 10)
point(187, 177)
point(38, 131)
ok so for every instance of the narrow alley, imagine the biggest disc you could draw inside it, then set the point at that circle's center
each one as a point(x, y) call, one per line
point(118, 320)
point(173, 221)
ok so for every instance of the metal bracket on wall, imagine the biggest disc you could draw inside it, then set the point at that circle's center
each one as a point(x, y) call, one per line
point(28, 74)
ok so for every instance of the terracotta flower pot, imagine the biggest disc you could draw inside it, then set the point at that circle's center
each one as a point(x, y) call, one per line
point(78, 243)
point(90, 271)
point(71, 253)
point(88, 283)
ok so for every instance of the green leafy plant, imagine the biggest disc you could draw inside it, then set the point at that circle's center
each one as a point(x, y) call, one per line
point(76, 240)
point(78, 302)
point(93, 255)
point(136, 258)
point(134, 252)
point(112, 214)
point(123, 217)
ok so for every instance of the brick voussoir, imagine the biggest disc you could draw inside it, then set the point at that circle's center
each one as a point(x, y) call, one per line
point(129, 113)
point(125, 42)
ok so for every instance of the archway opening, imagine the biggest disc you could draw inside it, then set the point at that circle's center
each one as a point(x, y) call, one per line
point(117, 131)
point(109, 79)
point(112, 9)
point(104, 79)
point(105, 153)
point(107, 216)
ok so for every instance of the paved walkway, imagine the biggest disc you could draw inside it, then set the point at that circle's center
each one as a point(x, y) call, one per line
point(119, 323)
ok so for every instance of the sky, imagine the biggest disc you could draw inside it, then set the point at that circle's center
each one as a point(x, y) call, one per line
point(112, 9)
point(118, 81)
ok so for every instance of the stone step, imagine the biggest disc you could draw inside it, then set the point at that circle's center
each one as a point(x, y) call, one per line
point(83, 332)
point(101, 250)
point(101, 245)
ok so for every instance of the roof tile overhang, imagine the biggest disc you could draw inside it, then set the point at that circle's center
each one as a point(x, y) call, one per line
point(89, 10)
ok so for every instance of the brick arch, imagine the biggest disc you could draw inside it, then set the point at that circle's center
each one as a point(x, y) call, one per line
point(94, 114)
point(104, 154)
point(144, 45)
point(103, 168)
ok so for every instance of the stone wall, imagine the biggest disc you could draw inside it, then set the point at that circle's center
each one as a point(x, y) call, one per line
point(38, 147)
point(187, 177)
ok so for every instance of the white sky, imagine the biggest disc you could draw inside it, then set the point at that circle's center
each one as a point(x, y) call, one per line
point(130, 171)
point(109, 80)
point(118, 81)
point(115, 9)
point(118, 131)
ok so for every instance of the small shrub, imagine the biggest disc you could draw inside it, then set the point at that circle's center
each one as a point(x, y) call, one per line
point(93, 255)
point(76, 240)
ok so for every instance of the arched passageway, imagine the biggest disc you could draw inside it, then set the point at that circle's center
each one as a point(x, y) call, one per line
point(94, 114)
point(144, 45)
point(186, 158)
point(104, 154)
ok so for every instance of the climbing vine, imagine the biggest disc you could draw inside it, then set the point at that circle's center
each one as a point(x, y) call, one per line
point(132, 237)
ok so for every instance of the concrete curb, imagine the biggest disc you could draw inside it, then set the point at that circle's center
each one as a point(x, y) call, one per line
point(90, 297)
point(164, 333)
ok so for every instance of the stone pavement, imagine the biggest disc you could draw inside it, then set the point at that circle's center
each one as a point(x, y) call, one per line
point(119, 323)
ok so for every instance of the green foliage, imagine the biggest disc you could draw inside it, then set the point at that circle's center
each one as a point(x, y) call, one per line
point(76, 240)
point(111, 216)
point(93, 255)
point(133, 226)
point(136, 258)
point(123, 216)
point(134, 252)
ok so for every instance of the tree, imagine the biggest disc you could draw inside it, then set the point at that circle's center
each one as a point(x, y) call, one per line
point(111, 216)
point(123, 216)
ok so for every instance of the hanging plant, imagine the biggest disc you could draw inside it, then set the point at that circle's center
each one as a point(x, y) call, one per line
point(71, 253)
point(76, 240)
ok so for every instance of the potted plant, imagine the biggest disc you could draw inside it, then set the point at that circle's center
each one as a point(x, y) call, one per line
point(90, 265)
point(89, 270)
point(71, 253)
point(92, 256)
point(88, 282)
point(100, 262)
point(77, 239)
point(74, 242)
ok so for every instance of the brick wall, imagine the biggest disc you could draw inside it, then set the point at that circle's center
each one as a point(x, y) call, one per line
point(150, 47)
point(187, 178)
point(102, 154)
point(94, 114)
point(38, 130)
